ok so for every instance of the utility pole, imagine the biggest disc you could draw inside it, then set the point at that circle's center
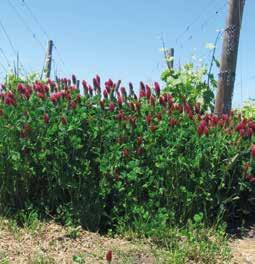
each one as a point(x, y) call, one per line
point(48, 61)
point(227, 73)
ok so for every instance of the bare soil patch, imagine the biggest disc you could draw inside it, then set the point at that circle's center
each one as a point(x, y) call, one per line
point(52, 243)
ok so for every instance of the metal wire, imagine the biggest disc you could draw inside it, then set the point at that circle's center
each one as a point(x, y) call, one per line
point(5, 57)
point(26, 25)
point(35, 19)
point(194, 21)
point(29, 9)
point(11, 43)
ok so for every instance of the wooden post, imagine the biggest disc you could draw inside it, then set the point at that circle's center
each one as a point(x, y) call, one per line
point(170, 58)
point(227, 73)
point(48, 59)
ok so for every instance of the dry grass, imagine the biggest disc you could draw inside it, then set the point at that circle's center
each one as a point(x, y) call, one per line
point(49, 243)
point(52, 243)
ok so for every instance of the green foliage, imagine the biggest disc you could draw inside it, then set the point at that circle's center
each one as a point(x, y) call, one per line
point(4, 258)
point(78, 259)
point(28, 218)
point(248, 109)
point(140, 163)
point(42, 259)
point(190, 83)
point(193, 243)
point(73, 232)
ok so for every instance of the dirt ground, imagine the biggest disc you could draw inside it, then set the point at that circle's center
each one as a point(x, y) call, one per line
point(54, 244)
point(51, 243)
point(244, 249)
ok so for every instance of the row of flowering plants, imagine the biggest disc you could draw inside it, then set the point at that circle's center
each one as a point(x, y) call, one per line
point(105, 155)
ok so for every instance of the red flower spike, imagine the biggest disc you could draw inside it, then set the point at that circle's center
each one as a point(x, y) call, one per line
point(125, 153)
point(139, 141)
point(27, 128)
point(120, 101)
point(78, 98)
point(242, 132)
point(40, 95)
point(148, 119)
point(74, 79)
point(251, 124)
point(142, 94)
point(117, 176)
point(9, 99)
point(139, 151)
point(197, 108)
point(152, 100)
point(73, 105)
point(215, 120)
point(157, 88)
point(250, 178)
point(153, 128)
point(95, 83)
point(148, 91)
point(84, 84)
point(187, 107)
point(190, 114)
point(170, 99)
point(121, 115)
point(172, 122)
point(111, 107)
point(142, 86)
point(253, 151)
point(200, 130)
point(206, 131)
point(203, 124)
point(109, 256)
point(46, 118)
point(63, 120)
point(180, 109)
point(101, 104)
point(249, 132)
point(109, 85)
point(20, 87)
point(162, 100)
point(225, 117)
point(240, 126)
point(221, 122)
point(123, 91)
point(105, 94)
point(159, 116)
point(137, 106)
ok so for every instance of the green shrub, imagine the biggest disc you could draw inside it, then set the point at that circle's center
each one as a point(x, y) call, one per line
point(112, 159)
point(191, 83)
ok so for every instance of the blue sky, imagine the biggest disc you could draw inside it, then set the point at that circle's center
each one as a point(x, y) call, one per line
point(121, 39)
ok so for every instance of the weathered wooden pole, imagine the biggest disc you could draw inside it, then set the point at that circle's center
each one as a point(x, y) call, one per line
point(48, 61)
point(228, 63)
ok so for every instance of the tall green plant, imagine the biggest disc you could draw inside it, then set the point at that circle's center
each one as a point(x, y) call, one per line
point(190, 82)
